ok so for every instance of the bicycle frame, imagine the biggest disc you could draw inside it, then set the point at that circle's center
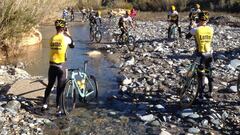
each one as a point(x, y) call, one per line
point(83, 76)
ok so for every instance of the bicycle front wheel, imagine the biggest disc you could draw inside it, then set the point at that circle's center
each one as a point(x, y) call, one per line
point(98, 36)
point(69, 97)
point(131, 43)
point(91, 36)
point(91, 88)
point(189, 91)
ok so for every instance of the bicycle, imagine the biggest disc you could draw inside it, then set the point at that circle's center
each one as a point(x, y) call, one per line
point(172, 34)
point(95, 34)
point(238, 81)
point(127, 39)
point(81, 84)
point(189, 90)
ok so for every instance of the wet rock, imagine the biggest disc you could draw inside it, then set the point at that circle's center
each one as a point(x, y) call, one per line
point(186, 112)
point(194, 116)
point(160, 107)
point(194, 130)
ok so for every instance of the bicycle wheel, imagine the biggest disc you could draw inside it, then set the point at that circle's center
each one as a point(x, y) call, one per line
point(91, 88)
point(98, 36)
point(238, 85)
point(189, 91)
point(91, 36)
point(131, 43)
point(69, 97)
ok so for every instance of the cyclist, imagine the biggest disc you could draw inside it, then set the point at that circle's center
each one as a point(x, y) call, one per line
point(193, 16)
point(98, 18)
point(65, 13)
point(203, 36)
point(72, 14)
point(133, 14)
point(84, 13)
point(173, 17)
point(58, 48)
point(124, 22)
point(95, 20)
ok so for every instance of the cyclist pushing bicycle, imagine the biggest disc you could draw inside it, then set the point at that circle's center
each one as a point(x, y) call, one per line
point(94, 20)
point(124, 23)
point(58, 48)
point(173, 17)
point(203, 35)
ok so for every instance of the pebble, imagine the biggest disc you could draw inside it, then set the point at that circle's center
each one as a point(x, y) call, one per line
point(194, 130)
point(148, 118)
point(233, 89)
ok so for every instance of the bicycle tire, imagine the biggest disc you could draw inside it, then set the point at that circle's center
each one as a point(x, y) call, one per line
point(98, 36)
point(120, 41)
point(91, 36)
point(238, 85)
point(131, 43)
point(91, 86)
point(68, 97)
point(188, 86)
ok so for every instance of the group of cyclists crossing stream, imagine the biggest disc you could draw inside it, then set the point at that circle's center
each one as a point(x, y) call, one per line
point(126, 76)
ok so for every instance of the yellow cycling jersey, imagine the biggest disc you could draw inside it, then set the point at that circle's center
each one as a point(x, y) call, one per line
point(58, 48)
point(203, 36)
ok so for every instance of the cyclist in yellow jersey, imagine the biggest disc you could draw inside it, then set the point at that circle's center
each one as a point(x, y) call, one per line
point(57, 57)
point(173, 17)
point(203, 35)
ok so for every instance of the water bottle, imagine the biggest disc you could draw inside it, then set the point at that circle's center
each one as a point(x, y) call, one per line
point(81, 83)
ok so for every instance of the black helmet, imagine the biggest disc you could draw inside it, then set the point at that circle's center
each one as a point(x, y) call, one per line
point(203, 16)
point(60, 23)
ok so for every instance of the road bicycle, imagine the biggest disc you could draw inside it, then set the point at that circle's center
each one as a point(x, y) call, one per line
point(189, 84)
point(238, 81)
point(172, 33)
point(95, 34)
point(80, 85)
point(126, 39)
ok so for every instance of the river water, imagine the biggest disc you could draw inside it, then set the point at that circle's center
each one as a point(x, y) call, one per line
point(101, 117)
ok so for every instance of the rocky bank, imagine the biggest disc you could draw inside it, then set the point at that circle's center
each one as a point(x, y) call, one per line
point(152, 76)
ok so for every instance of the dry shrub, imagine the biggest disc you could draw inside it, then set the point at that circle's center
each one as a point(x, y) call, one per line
point(19, 16)
point(95, 4)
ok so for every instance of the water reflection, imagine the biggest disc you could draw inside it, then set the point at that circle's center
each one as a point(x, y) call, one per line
point(36, 58)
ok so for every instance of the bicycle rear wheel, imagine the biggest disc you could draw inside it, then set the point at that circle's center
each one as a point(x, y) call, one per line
point(238, 85)
point(131, 43)
point(69, 97)
point(189, 91)
point(91, 88)
point(98, 36)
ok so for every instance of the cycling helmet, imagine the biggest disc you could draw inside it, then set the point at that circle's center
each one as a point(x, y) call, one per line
point(60, 23)
point(173, 8)
point(128, 12)
point(99, 13)
point(197, 6)
point(203, 16)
